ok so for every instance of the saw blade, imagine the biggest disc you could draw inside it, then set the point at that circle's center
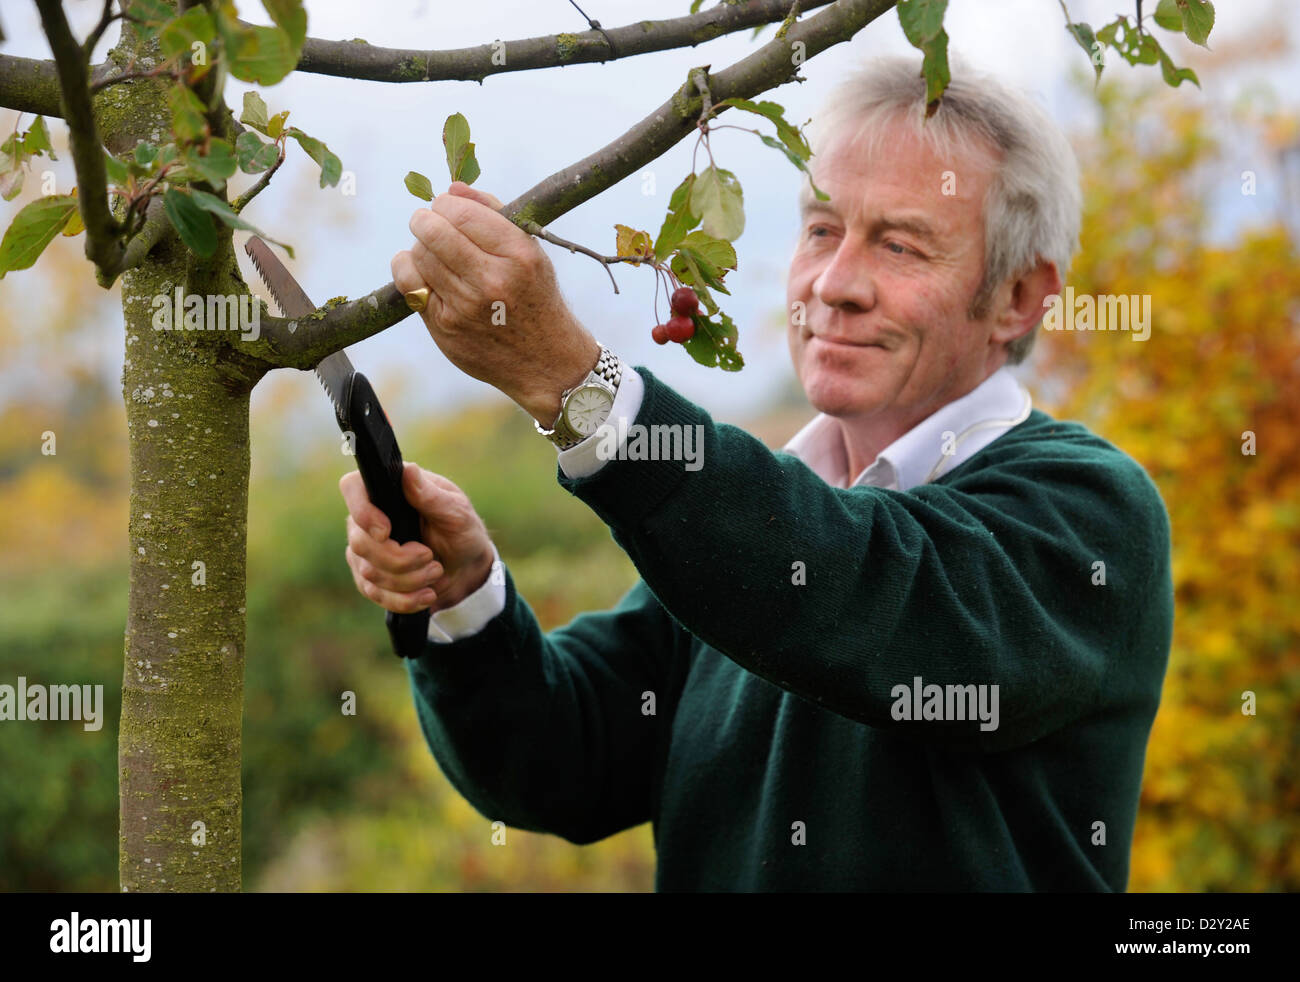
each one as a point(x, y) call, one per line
point(335, 371)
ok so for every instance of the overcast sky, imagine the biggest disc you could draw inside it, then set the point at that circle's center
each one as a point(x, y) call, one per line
point(528, 125)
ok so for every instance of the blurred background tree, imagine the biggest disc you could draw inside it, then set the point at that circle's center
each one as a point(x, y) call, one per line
point(336, 802)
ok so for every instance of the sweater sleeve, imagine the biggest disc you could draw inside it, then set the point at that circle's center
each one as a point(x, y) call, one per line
point(560, 732)
point(842, 596)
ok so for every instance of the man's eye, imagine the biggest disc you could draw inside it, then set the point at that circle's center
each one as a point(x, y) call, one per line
point(897, 248)
point(814, 231)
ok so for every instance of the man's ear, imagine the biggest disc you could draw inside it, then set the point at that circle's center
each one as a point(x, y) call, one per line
point(1022, 307)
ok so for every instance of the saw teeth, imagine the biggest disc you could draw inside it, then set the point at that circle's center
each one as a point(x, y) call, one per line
point(252, 255)
point(328, 394)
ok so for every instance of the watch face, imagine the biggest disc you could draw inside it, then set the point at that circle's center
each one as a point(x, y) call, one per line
point(587, 408)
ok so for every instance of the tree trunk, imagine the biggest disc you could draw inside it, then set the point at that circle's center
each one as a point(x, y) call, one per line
point(182, 689)
point(187, 396)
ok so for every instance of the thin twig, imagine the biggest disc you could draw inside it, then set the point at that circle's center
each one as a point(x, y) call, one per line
point(103, 245)
point(532, 228)
point(106, 18)
point(104, 83)
point(240, 203)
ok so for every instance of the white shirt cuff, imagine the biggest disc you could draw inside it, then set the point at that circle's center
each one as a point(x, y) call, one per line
point(472, 614)
point(585, 458)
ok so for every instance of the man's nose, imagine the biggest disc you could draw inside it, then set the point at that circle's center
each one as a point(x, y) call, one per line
point(847, 281)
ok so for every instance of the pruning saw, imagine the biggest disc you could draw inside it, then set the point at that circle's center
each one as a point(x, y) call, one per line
point(358, 412)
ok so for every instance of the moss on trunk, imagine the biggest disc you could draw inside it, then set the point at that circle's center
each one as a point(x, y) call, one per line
point(187, 397)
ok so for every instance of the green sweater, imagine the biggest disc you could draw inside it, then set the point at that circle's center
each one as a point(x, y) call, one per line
point(773, 758)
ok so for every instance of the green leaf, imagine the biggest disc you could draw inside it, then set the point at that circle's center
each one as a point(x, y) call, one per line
point(695, 6)
point(33, 228)
point(702, 270)
point(718, 253)
point(191, 222)
point(1198, 20)
point(145, 153)
point(689, 267)
point(1136, 47)
point(934, 68)
point(331, 168)
point(419, 185)
point(290, 17)
point(679, 220)
point(11, 183)
point(275, 125)
point(922, 20)
point(37, 140)
point(149, 15)
point(460, 152)
point(789, 134)
point(1082, 33)
point(178, 37)
point(117, 171)
point(253, 155)
point(216, 166)
point(262, 55)
point(188, 120)
point(222, 210)
point(1173, 75)
point(1168, 17)
point(716, 197)
point(714, 343)
point(686, 269)
point(254, 113)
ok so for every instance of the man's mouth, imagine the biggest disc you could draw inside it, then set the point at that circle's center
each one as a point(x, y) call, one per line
point(847, 342)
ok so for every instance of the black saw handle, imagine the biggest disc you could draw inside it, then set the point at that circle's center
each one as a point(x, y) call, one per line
point(380, 461)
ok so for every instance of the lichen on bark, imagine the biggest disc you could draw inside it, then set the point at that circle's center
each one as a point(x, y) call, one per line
point(187, 396)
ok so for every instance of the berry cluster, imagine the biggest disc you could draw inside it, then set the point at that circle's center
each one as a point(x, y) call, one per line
point(679, 327)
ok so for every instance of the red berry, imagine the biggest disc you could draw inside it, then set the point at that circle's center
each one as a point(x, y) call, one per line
point(680, 328)
point(684, 301)
point(660, 334)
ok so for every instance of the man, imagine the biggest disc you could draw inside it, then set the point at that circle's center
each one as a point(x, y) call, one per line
point(919, 649)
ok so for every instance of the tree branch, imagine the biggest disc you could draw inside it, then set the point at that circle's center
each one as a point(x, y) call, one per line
point(103, 233)
point(155, 227)
point(358, 59)
point(29, 85)
point(304, 341)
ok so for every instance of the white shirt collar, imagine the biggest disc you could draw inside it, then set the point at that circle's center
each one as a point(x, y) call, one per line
point(948, 436)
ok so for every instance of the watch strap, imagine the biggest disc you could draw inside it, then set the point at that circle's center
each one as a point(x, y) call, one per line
point(609, 372)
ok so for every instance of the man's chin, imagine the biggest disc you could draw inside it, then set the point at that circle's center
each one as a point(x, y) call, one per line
point(843, 397)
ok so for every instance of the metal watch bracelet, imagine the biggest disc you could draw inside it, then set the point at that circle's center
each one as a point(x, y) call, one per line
point(609, 369)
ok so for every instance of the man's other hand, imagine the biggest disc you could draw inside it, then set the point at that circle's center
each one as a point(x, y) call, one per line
point(452, 560)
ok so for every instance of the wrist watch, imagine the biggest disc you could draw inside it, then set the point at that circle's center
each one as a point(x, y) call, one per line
point(585, 406)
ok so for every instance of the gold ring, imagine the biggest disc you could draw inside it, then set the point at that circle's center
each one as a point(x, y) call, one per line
point(417, 299)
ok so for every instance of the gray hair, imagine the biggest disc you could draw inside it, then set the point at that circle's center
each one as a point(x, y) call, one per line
point(1033, 205)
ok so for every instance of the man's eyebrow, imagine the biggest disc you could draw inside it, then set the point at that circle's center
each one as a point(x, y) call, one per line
point(902, 222)
point(914, 224)
point(815, 206)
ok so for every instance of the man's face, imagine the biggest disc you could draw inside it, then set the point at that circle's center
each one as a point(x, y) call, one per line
point(887, 270)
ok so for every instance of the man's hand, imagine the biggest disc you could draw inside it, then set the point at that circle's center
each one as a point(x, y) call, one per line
point(453, 559)
point(495, 308)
